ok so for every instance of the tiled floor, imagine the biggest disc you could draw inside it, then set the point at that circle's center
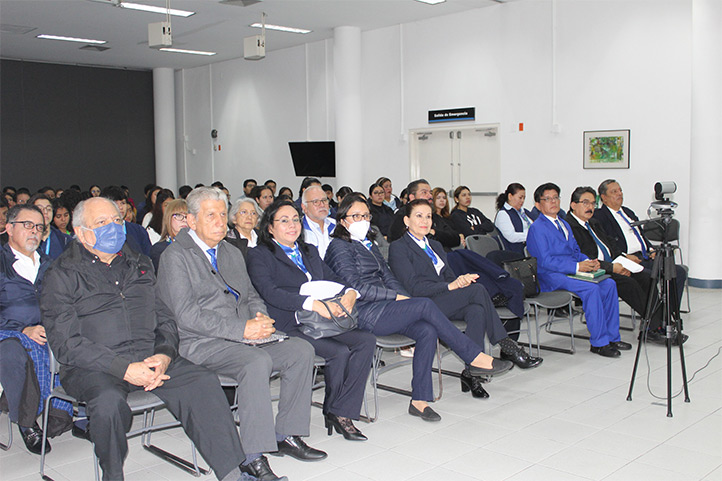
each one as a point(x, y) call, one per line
point(566, 420)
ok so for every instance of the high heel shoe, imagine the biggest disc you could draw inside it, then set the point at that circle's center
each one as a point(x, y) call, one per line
point(473, 384)
point(343, 426)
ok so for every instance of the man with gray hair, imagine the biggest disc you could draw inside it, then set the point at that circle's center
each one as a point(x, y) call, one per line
point(222, 319)
point(317, 225)
point(112, 335)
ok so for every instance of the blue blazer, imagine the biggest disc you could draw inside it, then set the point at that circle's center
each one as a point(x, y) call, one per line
point(415, 269)
point(278, 280)
point(556, 256)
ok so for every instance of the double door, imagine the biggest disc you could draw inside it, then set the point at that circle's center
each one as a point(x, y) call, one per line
point(449, 157)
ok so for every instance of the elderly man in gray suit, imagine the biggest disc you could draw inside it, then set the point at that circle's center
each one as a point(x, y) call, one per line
point(204, 281)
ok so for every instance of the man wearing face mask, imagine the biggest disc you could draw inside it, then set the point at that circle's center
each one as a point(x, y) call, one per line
point(113, 335)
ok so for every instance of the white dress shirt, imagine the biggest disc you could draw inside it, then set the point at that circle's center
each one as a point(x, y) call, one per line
point(26, 267)
point(633, 244)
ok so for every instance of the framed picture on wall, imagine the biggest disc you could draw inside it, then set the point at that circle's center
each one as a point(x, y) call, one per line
point(606, 149)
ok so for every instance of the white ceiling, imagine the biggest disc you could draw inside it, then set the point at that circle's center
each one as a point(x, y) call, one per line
point(215, 27)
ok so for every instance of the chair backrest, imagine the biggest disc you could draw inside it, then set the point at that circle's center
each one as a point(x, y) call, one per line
point(481, 244)
point(654, 231)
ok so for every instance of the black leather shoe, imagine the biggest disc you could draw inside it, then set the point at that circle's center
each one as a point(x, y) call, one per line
point(473, 384)
point(522, 359)
point(259, 469)
point(658, 337)
point(622, 346)
point(343, 426)
point(295, 447)
point(33, 439)
point(498, 366)
point(81, 433)
point(427, 414)
point(607, 351)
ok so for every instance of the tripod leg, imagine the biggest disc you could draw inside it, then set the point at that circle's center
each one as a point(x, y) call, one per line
point(642, 330)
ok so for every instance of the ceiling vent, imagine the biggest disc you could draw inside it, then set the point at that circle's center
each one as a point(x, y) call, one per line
point(15, 29)
point(95, 48)
point(240, 3)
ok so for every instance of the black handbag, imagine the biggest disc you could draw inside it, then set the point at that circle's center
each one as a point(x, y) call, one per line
point(524, 270)
point(315, 326)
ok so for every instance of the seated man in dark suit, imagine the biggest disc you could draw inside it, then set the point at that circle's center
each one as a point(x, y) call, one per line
point(112, 335)
point(616, 221)
point(550, 240)
point(595, 244)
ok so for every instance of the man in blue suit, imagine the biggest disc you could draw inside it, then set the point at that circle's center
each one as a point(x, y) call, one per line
point(550, 240)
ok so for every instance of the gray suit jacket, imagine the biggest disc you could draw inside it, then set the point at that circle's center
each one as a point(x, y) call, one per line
point(207, 315)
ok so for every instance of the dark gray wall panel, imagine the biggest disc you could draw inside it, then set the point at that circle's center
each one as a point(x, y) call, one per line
point(62, 125)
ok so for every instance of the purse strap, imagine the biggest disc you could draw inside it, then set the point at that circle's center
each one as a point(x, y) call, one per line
point(337, 301)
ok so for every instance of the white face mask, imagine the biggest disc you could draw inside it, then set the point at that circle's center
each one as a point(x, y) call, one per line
point(358, 230)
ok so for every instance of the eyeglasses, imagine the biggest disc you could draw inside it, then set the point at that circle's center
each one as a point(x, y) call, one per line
point(28, 225)
point(179, 217)
point(248, 212)
point(285, 221)
point(359, 217)
point(377, 192)
point(317, 202)
point(550, 199)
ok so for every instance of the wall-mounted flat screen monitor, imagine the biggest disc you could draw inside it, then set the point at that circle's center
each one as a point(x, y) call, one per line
point(313, 159)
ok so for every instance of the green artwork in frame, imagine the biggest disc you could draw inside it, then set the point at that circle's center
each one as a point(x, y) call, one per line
point(606, 149)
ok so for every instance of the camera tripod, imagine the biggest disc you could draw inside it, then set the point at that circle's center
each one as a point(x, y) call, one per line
point(663, 295)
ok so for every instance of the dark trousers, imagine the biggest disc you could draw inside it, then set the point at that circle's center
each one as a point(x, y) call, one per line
point(634, 290)
point(192, 394)
point(13, 367)
point(473, 305)
point(348, 362)
point(420, 319)
point(680, 279)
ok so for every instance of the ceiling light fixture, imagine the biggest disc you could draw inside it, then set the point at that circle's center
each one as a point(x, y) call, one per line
point(431, 2)
point(192, 52)
point(72, 39)
point(152, 9)
point(281, 28)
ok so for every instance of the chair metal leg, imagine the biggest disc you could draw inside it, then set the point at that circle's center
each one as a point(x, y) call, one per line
point(547, 327)
point(184, 464)
point(6, 446)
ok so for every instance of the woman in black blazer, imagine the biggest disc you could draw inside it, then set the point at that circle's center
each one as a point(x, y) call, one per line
point(386, 308)
point(422, 267)
point(278, 266)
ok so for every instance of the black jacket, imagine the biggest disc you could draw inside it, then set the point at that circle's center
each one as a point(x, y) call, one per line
point(610, 225)
point(415, 269)
point(18, 296)
point(367, 272)
point(588, 246)
point(94, 323)
point(444, 231)
point(470, 222)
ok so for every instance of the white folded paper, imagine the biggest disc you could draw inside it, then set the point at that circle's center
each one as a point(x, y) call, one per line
point(630, 265)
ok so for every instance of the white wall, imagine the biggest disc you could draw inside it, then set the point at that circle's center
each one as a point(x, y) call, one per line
point(618, 65)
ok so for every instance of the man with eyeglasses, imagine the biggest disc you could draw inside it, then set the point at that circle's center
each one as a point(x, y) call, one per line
point(203, 279)
point(136, 236)
point(551, 241)
point(24, 369)
point(594, 242)
point(112, 335)
point(317, 224)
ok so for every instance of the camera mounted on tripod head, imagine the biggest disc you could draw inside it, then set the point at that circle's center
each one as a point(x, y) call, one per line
point(663, 206)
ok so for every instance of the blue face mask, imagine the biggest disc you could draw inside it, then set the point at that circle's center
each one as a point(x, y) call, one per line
point(109, 238)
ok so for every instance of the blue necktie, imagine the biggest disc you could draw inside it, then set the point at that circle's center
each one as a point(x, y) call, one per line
point(295, 255)
point(214, 263)
point(639, 237)
point(559, 226)
point(522, 214)
point(430, 253)
point(605, 252)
